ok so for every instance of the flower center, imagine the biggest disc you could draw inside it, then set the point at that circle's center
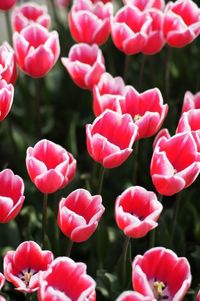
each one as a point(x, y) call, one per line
point(158, 290)
point(26, 276)
point(136, 117)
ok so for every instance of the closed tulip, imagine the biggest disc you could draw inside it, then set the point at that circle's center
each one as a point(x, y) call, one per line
point(50, 166)
point(146, 4)
point(110, 138)
point(181, 22)
point(79, 213)
point(8, 67)
point(6, 98)
point(85, 64)
point(29, 13)
point(7, 4)
point(191, 101)
point(174, 164)
point(36, 44)
point(161, 274)
point(66, 279)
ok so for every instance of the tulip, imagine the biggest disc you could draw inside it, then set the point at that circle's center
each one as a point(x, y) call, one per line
point(85, 65)
point(62, 3)
point(191, 101)
point(29, 13)
point(66, 280)
point(181, 23)
point(137, 211)
point(146, 4)
point(198, 296)
point(161, 274)
point(36, 44)
point(7, 4)
point(8, 67)
point(11, 195)
point(174, 164)
point(2, 280)
point(162, 133)
point(22, 267)
point(49, 166)
point(110, 138)
point(90, 22)
point(79, 213)
point(6, 98)
point(133, 296)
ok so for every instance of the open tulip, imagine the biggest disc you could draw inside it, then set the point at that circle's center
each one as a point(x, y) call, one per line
point(21, 267)
point(181, 23)
point(191, 101)
point(50, 166)
point(28, 13)
point(90, 22)
point(85, 64)
point(66, 280)
point(161, 274)
point(36, 44)
point(7, 4)
point(174, 164)
point(133, 296)
point(110, 138)
point(137, 211)
point(79, 213)
point(146, 4)
point(8, 67)
point(11, 195)
point(6, 98)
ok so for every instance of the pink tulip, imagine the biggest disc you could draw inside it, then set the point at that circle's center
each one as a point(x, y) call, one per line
point(11, 195)
point(133, 296)
point(8, 67)
point(7, 4)
point(6, 98)
point(22, 267)
point(162, 133)
point(66, 280)
point(79, 214)
point(110, 138)
point(2, 280)
point(90, 22)
point(147, 110)
point(146, 4)
point(198, 296)
point(174, 163)
point(130, 28)
point(29, 13)
point(181, 22)
point(160, 274)
point(85, 65)
point(191, 101)
point(104, 1)
point(137, 211)
point(62, 3)
point(50, 166)
point(2, 298)
point(36, 44)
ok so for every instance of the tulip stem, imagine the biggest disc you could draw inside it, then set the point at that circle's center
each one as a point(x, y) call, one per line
point(101, 177)
point(37, 108)
point(167, 72)
point(141, 74)
point(152, 237)
point(8, 25)
point(126, 66)
point(44, 219)
point(69, 248)
point(28, 297)
point(124, 258)
point(135, 166)
point(175, 217)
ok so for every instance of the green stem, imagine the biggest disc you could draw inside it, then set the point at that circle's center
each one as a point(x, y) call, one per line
point(167, 72)
point(28, 296)
point(37, 109)
point(44, 219)
point(12, 139)
point(175, 217)
point(141, 74)
point(152, 237)
point(124, 258)
point(135, 166)
point(101, 177)
point(69, 247)
point(8, 25)
point(126, 67)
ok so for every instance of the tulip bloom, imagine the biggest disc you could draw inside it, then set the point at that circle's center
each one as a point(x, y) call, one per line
point(89, 22)
point(85, 65)
point(137, 211)
point(198, 296)
point(7, 4)
point(191, 101)
point(174, 164)
point(146, 4)
point(181, 23)
point(2, 280)
point(110, 138)
point(162, 133)
point(50, 166)
point(133, 296)
point(11, 195)
point(160, 274)
point(21, 267)
point(8, 67)
point(6, 98)
point(29, 13)
point(66, 280)
point(79, 214)
point(36, 44)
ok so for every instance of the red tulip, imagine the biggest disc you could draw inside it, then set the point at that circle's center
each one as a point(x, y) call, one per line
point(66, 280)
point(2, 280)
point(79, 214)
point(50, 166)
point(8, 68)
point(137, 211)
point(174, 163)
point(85, 65)
point(110, 138)
point(133, 296)
point(160, 274)
point(89, 22)
point(29, 13)
point(36, 44)
point(11, 195)
point(6, 98)
point(191, 101)
point(181, 22)
point(21, 267)
point(146, 4)
point(7, 4)
point(198, 296)
point(104, 1)
point(162, 133)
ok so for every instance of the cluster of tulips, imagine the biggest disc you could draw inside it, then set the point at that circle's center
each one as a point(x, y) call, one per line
point(123, 116)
